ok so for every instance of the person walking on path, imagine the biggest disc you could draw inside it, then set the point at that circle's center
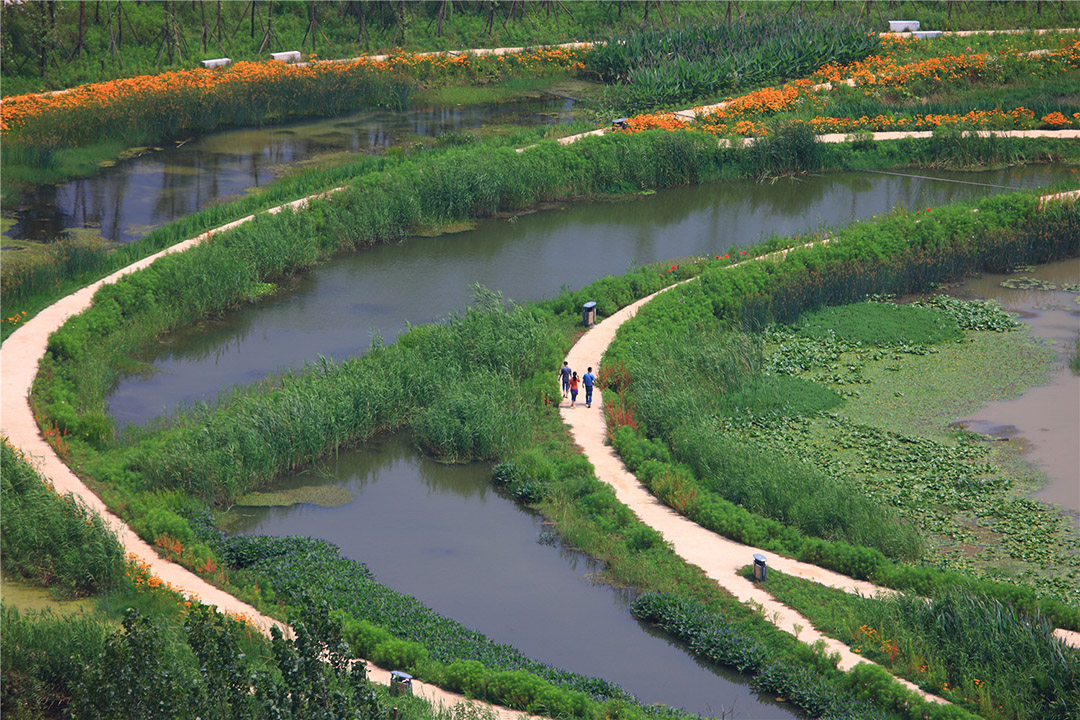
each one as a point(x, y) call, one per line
point(588, 380)
point(564, 375)
point(573, 389)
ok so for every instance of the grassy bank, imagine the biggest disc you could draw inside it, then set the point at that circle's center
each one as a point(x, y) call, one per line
point(715, 411)
point(961, 645)
point(48, 50)
point(436, 381)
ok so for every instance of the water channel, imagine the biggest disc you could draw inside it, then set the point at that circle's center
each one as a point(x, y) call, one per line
point(126, 201)
point(437, 532)
point(441, 534)
point(1044, 420)
point(334, 310)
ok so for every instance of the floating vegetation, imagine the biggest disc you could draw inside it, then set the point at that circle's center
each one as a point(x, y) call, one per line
point(972, 314)
point(323, 495)
point(1030, 283)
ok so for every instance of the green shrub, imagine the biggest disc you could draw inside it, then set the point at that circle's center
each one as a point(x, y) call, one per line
point(51, 539)
point(880, 324)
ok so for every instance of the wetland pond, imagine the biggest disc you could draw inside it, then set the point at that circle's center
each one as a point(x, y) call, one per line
point(441, 534)
point(1044, 420)
point(335, 309)
point(126, 201)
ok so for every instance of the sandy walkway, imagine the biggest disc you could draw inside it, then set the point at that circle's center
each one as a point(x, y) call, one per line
point(19, 358)
point(21, 352)
point(718, 556)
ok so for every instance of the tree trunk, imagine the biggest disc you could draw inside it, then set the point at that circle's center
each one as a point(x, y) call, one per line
point(77, 51)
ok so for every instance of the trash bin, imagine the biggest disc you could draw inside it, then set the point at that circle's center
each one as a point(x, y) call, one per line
point(400, 683)
point(759, 567)
point(588, 315)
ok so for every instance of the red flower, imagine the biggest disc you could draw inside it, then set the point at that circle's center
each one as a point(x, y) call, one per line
point(673, 268)
point(743, 252)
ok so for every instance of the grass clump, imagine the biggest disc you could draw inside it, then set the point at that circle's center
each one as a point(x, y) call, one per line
point(961, 644)
point(50, 539)
point(878, 324)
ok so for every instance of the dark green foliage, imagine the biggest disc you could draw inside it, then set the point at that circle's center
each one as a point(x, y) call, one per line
point(711, 637)
point(150, 669)
point(708, 634)
point(525, 477)
point(962, 644)
point(43, 658)
point(50, 539)
point(666, 66)
point(880, 324)
point(385, 623)
point(141, 675)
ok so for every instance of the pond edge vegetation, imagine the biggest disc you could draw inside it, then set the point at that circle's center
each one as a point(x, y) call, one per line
point(636, 287)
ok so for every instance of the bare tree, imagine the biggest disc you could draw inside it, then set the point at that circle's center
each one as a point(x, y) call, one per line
point(313, 26)
point(77, 50)
point(172, 36)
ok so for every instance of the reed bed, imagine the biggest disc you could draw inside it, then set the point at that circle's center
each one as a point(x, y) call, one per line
point(663, 67)
point(53, 540)
point(961, 643)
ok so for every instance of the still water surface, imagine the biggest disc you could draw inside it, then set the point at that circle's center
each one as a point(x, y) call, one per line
point(441, 534)
point(334, 310)
point(1045, 419)
point(126, 201)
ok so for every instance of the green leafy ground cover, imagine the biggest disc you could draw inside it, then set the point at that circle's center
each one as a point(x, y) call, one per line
point(893, 436)
point(167, 478)
point(962, 645)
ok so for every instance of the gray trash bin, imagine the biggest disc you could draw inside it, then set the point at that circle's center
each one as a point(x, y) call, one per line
point(588, 314)
point(400, 683)
point(759, 567)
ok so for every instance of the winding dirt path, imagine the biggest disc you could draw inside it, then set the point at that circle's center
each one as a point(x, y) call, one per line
point(19, 357)
point(719, 557)
point(22, 351)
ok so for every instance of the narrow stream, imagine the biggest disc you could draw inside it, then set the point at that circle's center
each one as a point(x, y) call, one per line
point(1045, 420)
point(126, 201)
point(334, 310)
point(441, 534)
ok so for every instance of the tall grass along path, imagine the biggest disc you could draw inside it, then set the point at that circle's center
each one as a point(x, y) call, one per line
point(26, 346)
point(719, 557)
point(19, 359)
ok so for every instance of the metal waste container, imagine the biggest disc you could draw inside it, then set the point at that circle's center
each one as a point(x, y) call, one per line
point(400, 683)
point(588, 314)
point(759, 567)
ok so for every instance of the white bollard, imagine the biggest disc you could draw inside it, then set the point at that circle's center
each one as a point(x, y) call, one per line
point(903, 25)
point(290, 56)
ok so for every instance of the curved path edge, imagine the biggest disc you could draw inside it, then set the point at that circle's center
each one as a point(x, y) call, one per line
point(23, 350)
point(719, 557)
point(19, 357)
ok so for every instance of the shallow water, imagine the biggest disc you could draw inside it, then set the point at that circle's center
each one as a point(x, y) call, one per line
point(1045, 419)
point(333, 310)
point(126, 201)
point(441, 534)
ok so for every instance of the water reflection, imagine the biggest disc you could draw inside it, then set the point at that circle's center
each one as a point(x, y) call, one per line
point(442, 535)
point(334, 310)
point(1045, 419)
point(126, 201)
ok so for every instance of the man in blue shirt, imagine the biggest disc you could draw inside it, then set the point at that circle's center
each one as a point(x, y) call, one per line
point(589, 379)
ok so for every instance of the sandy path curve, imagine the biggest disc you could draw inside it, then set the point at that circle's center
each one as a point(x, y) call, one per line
point(19, 357)
point(719, 557)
